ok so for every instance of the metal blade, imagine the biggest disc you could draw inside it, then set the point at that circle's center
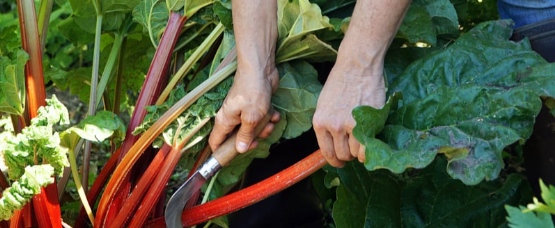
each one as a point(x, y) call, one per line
point(177, 202)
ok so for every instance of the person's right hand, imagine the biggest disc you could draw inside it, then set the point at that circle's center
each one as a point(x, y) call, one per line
point(247, 102)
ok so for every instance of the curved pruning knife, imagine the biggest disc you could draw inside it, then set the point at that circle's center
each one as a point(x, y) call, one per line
point(221, 157)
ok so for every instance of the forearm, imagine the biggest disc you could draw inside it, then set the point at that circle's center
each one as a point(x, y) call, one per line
point(255, 25)
point(371, 30)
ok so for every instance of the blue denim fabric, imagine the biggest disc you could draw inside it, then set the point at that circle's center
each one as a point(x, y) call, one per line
point(525, 12)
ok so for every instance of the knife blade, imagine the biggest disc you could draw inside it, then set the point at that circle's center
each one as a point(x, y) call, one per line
point(221, 157)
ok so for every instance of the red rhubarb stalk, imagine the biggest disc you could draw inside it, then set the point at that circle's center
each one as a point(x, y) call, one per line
point(143, 184)
point(154, 83)
point(47, 207)
point(158, 186)
point(249, 195)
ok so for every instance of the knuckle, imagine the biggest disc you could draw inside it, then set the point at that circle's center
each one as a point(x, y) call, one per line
point(344, 156)
point(335, 128)
point(318, 124)
point(245, 134)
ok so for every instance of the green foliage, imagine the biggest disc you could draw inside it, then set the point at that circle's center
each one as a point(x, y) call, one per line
point(425, 198)
point(467, 101)
point(38, 143)
point(518, 219)
point(537, 214)
point(428, 19)
point(152, 15)
point(21, 191)
point(296, 96)
point(95, 128)
point(12, 83)
point(297, 22)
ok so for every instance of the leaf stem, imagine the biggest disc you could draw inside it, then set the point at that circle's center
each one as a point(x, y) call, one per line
point(188, 65)
point(209, 189)
point(112, 60)
point(147, 137)
point(119, 78)
point(45, 10)
point(80, 190)
point(92, 97)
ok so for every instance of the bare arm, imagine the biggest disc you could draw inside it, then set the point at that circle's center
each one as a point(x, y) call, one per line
point(356, 78)
point(248, 101)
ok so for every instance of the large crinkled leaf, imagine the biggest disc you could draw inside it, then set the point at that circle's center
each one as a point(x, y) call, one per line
point(444, 16)
point(38, 143)
point(153, 16)
point(53, 113)
point(417, 26)
point(427, 19)
point(297, 20)
point(468, 102)
point(297, 96)
point(193, 6)
point(23, 190)
point(222, 8)
point(12, 83)
point(430, 198)
point(113, 14)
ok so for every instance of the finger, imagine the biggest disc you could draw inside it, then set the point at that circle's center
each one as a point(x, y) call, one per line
point(362, 154)
point(275, 117)
point(253, 145)
point(267, 131)
point(341, 143)
point(326, 147)
point(354, 146)
point(223, 125)
point(245, 136)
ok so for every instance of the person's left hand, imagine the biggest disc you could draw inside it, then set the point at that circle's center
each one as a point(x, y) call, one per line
point(333, 122)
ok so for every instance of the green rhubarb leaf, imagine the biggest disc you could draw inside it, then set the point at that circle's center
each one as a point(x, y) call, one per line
point(193, 6)
point(113, 14)
point(95, 128)
point(298, 20)
point(124, 6)
point(23, 190)
point(71, 31)
point(53, 113)
point(38, 143)
point(222, 8)
point(444, 16)
point(297, 96)
point(328, 6)
point(427, 19)
point(175, 5)
point(519, 219)
point(10, 37)
point(417, 26)
point(468, 101)
point(12, 83)
point(430, 198)
point(153, 15)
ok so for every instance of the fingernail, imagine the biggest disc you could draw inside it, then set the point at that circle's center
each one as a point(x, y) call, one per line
point(242, 147)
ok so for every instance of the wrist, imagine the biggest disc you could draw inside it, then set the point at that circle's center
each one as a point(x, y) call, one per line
point(257, 66)
point(361, 65)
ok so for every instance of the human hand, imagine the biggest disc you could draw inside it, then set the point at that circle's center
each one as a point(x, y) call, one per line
point(333, 122)
point(247, 102)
